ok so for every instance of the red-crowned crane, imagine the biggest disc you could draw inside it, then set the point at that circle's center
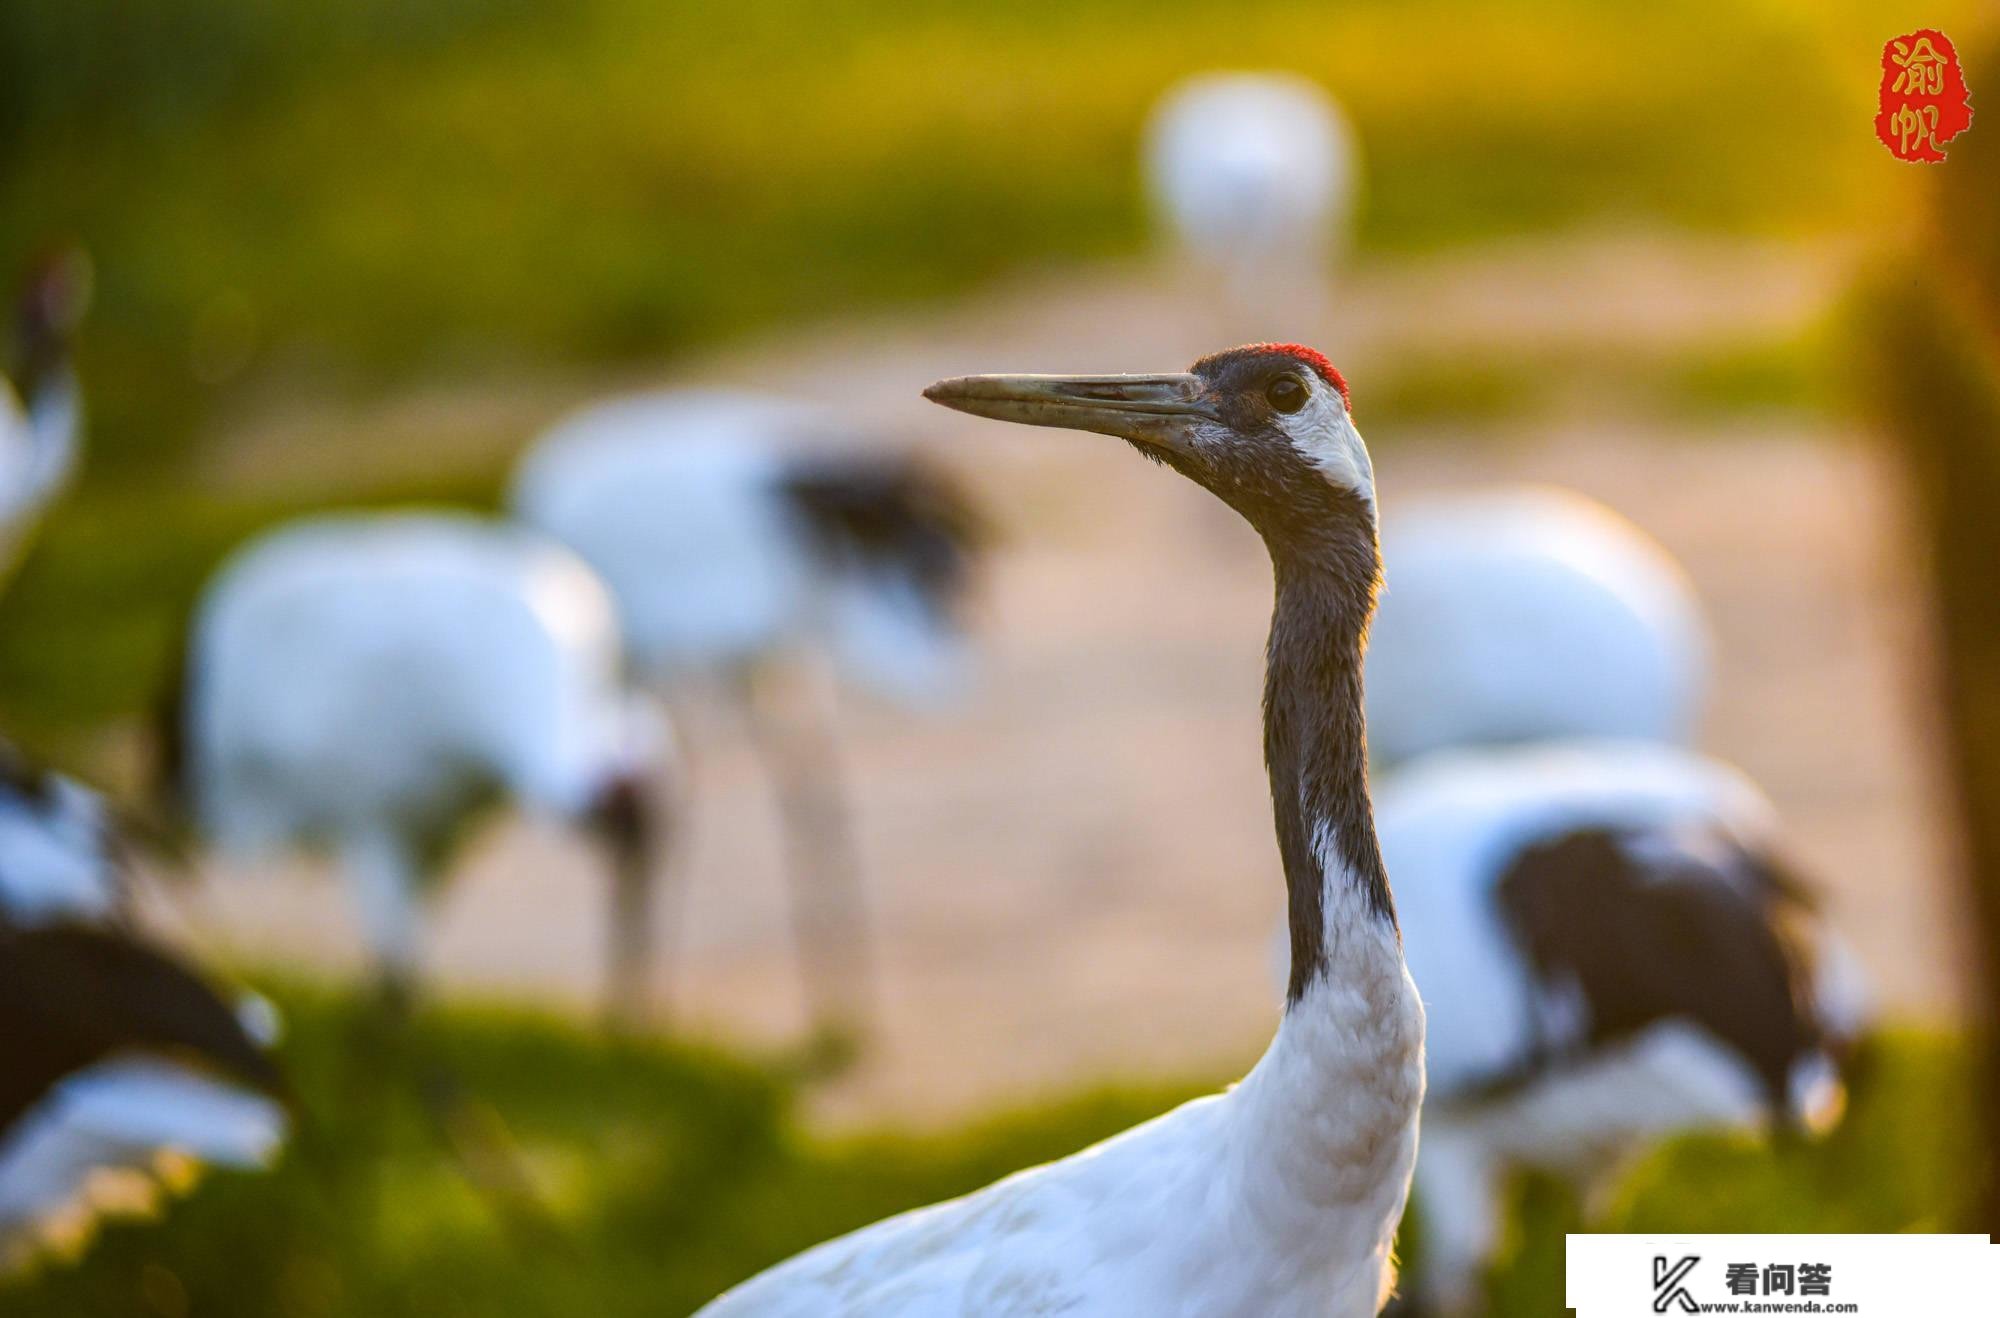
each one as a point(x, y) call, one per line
point(742, 534)
point(124, 1066)
point(1520, 613)
point(41, 415)
point(1254, 177)
point(369, 681)
point(1280, 1197)
point(1613, 949)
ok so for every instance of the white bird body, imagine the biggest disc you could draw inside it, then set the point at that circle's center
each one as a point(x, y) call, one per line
point(741, 534)
point(38, 450)
point(368, 680)
point(1518, 1077)
point(1523, 614)
point(55, 849)
point(106, 1138)
point(349, 670)
point(1223, 1206)
point(124, 1068)
point(41, 411)
point(1254, 174)
point(680, 500)
point(1451, 822)
point(660, 493)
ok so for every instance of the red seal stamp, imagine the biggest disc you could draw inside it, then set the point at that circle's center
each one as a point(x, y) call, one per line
point(1924, 99)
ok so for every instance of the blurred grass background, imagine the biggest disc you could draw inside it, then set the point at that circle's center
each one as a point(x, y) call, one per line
point(302, 202)
point(672, 1173)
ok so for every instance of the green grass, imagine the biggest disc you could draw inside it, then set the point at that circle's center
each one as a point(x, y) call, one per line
point(667, 1173)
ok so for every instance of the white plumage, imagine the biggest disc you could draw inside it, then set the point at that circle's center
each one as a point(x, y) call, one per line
point(41, 413)
point(108, 1140)
point(1517, 1077)
point(1277, 1199)
point(368, 681)
point(1254, 175)
point(125, 1070)
point(687, 503)
point(742, 534)
point(38, 449)
point(1518, 614)
point(56, 848)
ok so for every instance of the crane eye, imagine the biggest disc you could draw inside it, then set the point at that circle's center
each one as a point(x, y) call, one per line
point(1286, 394)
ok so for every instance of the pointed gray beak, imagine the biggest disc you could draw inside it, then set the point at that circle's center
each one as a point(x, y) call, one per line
point(1148, 409)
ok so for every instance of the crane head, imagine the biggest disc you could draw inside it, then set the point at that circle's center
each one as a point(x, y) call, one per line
point(1266, 428)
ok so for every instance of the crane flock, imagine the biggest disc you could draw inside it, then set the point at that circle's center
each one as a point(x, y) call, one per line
point(1597, 935)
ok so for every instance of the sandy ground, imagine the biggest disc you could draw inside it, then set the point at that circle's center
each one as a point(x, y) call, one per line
point(1072, 872)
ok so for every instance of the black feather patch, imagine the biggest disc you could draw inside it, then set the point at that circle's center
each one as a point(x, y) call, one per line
point(1655, 925)
point(72, 996)
point(889, 513)
point(25, 779)
point(172, 789)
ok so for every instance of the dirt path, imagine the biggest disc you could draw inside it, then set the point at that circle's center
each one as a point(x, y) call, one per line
point(1073, 873)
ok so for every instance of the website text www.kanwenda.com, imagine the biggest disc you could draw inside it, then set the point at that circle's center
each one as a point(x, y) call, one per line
point(1778, 1306)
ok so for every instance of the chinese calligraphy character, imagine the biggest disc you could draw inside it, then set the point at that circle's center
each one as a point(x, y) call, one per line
point(1742, 1278)
point(1815, 1279)
point(1922, 67)
point(1924, 102)
point(1916, 129)
point(1778, 1279)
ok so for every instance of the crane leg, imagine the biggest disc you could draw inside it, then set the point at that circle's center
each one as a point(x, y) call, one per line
point(388, 889)
point(630, 938)
point(794, 735)
point(384, 879)
point(1458, 1194)
point(639, 828)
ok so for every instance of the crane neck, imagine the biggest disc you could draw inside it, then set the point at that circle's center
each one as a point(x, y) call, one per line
point(51, 421)
point(1316, 751)
point(1323, 1129)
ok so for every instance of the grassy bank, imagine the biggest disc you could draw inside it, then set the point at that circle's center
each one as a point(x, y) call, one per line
point(666, 1174)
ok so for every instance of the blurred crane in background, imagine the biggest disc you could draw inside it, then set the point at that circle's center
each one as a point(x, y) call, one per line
point(124, 1067)
point(1516, 614)
point(369, 682)
point(752, 541)
point(1254, 177)
point(1612, 950)
point(41, 415)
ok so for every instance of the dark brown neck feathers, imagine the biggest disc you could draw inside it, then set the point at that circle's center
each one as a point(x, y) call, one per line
point(1316, 747)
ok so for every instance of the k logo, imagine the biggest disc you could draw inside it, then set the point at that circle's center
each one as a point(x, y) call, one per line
point(1667, 1288)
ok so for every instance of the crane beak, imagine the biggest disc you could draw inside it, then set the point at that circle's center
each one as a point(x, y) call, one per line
point(1155, 410)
